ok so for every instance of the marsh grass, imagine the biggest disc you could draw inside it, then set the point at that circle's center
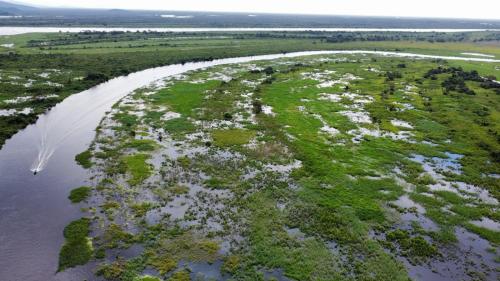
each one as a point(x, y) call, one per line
point(84, 159)
point(232, 137)
point(138, 168)
point(77, 248)
point(79, 194)
point(332, 217)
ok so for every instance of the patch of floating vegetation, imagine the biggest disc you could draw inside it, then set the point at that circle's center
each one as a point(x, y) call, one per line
point(298, 169)
point(77, 248)
point(79, 194)
point(84, 159)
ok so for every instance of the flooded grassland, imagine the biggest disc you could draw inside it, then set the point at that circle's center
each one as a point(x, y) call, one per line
point(340, 167)
point(40, 70)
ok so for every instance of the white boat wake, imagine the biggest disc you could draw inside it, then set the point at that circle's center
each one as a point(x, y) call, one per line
point(51, 138)
point(44, 154)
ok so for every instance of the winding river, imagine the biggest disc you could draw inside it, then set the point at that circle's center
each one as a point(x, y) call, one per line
point(34, 208)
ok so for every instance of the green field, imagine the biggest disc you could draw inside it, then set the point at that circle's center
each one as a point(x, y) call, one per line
point(341, 167)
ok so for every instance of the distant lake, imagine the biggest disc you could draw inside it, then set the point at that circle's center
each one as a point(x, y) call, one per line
point(7, 30)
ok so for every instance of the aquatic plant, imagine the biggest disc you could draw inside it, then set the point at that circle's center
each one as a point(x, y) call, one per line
point(79, 194)
point(77, 248)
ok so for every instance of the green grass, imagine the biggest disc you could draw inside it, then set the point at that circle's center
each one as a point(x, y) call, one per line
point(232, 137)
point(137, 167)
point(142, 145)
point(182, 97)
point(179, 189)
point(79, 194)
point(179, 125)
point(488, 234)
point(115, 237)
point(140, 209)
point(272, 247)
point(412, 247)
point(147, 278)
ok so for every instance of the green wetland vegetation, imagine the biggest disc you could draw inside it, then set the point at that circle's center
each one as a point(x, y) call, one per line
point(37, 71)
point(332, 167)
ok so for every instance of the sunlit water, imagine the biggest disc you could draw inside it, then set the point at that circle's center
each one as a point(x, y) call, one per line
point(35, 209)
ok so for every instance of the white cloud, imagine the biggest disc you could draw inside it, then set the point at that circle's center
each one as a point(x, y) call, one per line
point(487, 9)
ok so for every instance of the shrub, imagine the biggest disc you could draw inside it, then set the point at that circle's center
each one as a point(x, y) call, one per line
point(257, 106)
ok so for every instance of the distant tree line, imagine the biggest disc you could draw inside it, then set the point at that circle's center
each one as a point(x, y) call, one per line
point(431, 37)
point(88, 37)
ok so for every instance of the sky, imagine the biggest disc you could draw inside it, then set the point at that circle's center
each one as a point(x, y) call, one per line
point(479, 9)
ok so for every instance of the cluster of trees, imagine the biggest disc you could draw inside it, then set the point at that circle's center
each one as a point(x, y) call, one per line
point(491, 84)
point(494, 36)
point(431, 37)
point(456, 82)
point(96, 77)
point(88, 37)
point(268, 70)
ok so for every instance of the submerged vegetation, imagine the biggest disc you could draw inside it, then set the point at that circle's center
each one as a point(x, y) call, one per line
point(339, 167)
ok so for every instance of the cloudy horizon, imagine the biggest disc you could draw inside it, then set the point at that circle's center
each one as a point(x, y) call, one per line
point(482, 9)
